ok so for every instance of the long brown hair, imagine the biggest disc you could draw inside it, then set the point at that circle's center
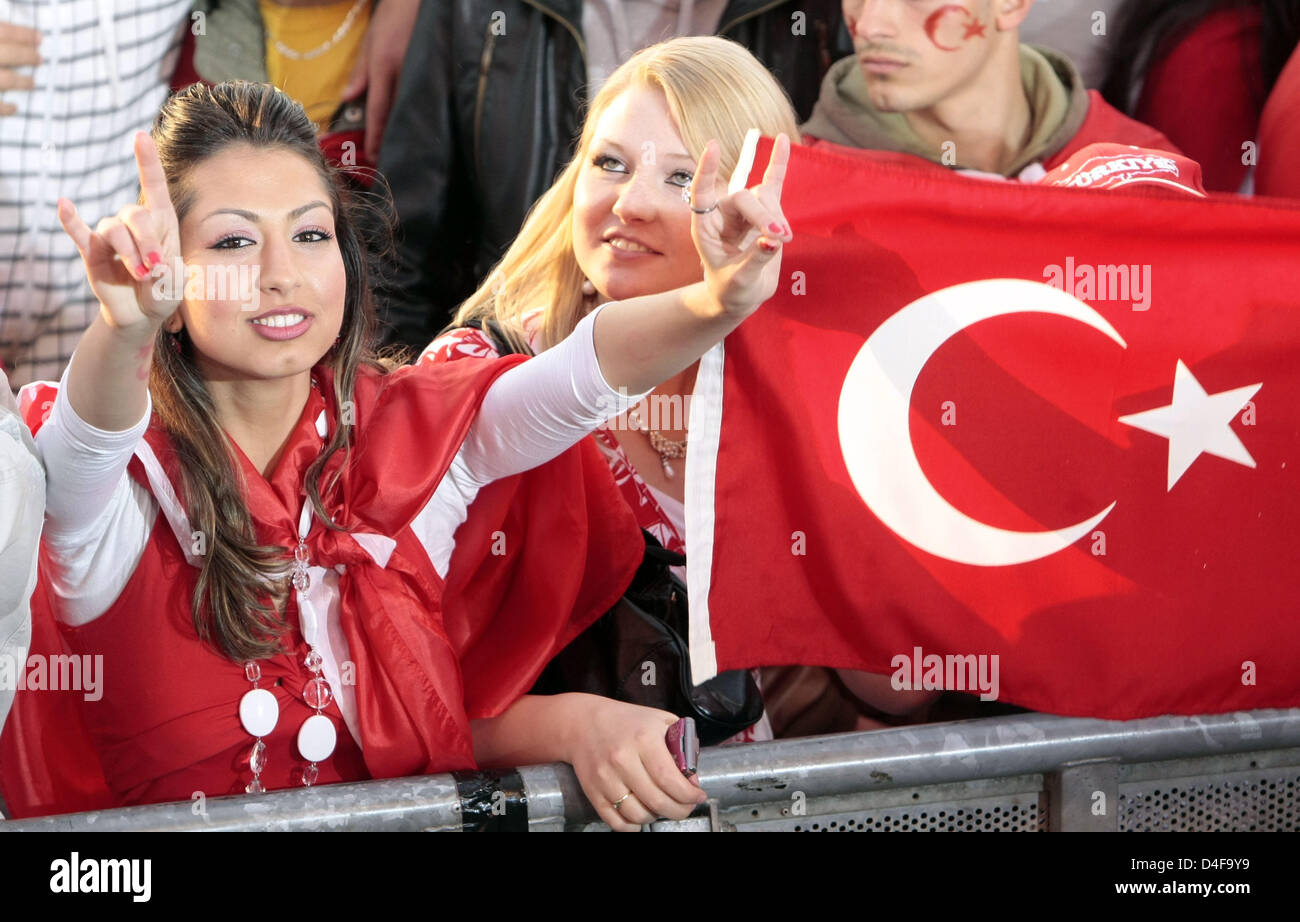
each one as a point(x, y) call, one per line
point(234, 605)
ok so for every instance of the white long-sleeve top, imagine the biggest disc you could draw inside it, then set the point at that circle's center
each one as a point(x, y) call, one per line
point(98, 518)
point(22, 503)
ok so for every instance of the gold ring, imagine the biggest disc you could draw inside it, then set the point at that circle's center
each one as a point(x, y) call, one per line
point(618, 803)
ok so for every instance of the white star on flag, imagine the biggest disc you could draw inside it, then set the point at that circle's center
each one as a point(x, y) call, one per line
point(1197, 423)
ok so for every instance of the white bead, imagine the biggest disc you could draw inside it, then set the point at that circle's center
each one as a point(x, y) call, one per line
point(258, 712)
point(316, 738)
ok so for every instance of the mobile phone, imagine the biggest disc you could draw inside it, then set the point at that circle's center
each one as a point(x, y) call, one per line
point(684, 745)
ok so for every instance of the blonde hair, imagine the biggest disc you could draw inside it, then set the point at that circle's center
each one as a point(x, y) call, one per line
point(715, 89)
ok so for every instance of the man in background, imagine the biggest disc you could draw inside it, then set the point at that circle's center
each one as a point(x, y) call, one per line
point(951, 82)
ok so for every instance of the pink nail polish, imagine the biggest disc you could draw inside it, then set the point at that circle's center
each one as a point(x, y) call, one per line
point(774, 227)
point(154, 257)
point(141, 270)
point(768, 245)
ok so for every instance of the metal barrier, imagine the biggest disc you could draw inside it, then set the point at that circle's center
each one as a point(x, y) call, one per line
point(1029, 772)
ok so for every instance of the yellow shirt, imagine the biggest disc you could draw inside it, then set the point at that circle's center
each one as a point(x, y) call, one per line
point(315, 82)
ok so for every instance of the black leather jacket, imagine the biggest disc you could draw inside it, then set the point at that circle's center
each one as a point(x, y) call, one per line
point(483, 122)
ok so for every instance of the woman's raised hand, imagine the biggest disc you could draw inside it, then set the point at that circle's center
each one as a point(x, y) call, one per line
point(740, 240)
point(122, 251)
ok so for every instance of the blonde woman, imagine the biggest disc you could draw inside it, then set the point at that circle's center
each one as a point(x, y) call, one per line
point(616, 224)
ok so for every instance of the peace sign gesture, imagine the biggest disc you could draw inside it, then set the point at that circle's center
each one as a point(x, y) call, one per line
point(121, 252)
point(739, 237)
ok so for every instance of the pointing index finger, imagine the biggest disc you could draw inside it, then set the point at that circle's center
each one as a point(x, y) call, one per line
point(152, 179)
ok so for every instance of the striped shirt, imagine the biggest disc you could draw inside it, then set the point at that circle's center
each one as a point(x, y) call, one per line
point(105, 73)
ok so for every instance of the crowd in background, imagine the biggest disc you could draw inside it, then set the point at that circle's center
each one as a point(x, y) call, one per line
point(482, 103)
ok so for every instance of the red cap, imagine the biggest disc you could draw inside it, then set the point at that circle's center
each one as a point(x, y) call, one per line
point(1110, 166)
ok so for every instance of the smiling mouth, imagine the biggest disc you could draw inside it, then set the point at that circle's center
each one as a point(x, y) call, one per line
point(280, 320)
point(628, 246)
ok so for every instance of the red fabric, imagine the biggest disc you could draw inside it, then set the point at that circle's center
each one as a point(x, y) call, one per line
point(1114, 166)
point(1279, 135)
point(168, 724)
point(1205, 93)
point(1014, 422)
point(1104, 124)
point(546, 528)
point(48, 763)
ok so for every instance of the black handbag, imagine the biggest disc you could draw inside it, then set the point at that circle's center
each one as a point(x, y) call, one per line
point(635, 652)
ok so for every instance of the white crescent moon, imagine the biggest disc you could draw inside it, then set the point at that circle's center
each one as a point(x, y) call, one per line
point(875, 435)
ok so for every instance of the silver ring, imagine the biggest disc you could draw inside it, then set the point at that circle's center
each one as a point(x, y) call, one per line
point(686, 194)
point(618, 803)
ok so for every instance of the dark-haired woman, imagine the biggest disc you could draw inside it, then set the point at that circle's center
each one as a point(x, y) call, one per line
point(265, 578)
point(1201, 71)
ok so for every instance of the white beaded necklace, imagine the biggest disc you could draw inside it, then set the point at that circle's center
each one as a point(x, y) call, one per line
point(259, 712)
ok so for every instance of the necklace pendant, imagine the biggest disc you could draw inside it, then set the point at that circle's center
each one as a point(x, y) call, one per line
point(301, 578)
point(317, 693)
point(668, 468)
point(258, 712)
point(317, 738)
point(257, 758)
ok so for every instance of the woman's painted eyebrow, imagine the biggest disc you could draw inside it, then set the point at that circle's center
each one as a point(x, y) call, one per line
point(254, 217)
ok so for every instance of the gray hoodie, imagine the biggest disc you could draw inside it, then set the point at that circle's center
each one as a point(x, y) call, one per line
point(1058, 103)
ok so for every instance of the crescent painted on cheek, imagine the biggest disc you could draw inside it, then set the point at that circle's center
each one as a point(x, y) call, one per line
point(974, 28)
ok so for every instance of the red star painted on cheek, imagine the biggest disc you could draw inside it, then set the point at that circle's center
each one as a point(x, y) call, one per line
point(973, 28)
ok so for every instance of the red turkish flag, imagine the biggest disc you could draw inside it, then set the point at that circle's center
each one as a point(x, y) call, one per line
point(1058, 427)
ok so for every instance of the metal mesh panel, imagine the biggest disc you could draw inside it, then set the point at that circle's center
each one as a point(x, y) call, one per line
point(992, 817)
point(1247, 801)
point(991, 805)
